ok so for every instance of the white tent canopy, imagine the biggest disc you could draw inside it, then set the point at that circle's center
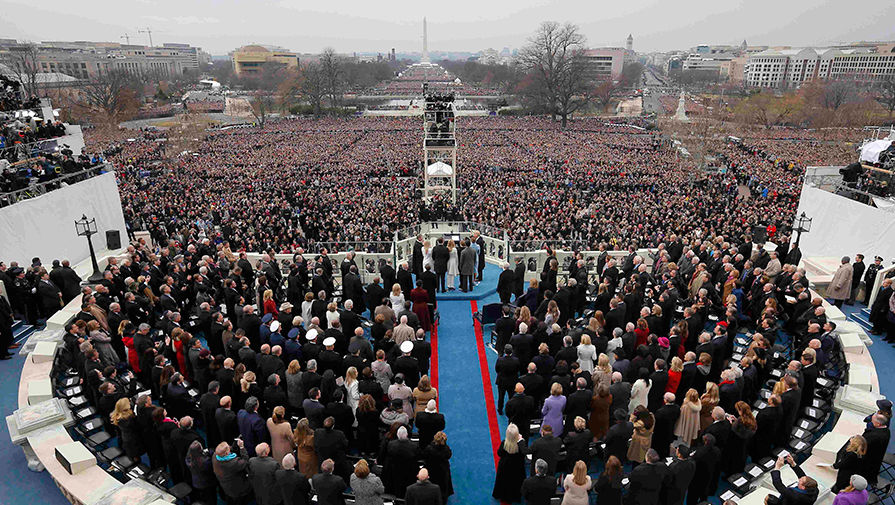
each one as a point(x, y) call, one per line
point(439, 169)
point(871, 150)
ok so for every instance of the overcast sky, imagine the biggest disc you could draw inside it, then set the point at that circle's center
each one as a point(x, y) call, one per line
point(468, 25)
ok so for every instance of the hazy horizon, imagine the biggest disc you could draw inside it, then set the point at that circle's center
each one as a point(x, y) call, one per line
point(219, 26)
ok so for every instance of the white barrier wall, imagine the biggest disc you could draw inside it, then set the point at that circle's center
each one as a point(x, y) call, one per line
point(45, 226)
point(844, 227)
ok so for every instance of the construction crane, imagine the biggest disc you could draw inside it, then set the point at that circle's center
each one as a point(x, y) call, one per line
point(149, 32)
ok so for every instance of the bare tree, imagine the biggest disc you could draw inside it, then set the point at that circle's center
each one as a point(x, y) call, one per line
point(109, 96)
point(262, 104)
point(885, 93)
point(313, 86)
point(333, 74)
point(602, 93)
point(22, 62)
point(834, 94)
point(558, 73)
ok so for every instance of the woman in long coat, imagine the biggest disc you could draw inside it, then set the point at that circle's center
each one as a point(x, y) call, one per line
point(304, 442)
point(511, 466)
point(553, 408)
point(687, 428)
point(599, 412)
point(420, 299)
point(642, 439)
point(437, 456)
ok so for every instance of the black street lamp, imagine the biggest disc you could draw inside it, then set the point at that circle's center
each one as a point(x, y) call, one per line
point(87, 228)
point(803, 224)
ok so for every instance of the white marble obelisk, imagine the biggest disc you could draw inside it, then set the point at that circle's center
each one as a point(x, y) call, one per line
point(425, 58)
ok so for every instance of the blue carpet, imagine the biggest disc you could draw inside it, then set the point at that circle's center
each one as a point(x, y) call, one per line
point(484, 289)
point(21, 486)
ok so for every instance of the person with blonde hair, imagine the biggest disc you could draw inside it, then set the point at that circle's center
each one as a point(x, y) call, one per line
point(269, 305)
point(709, 401)
point(553, 409)
point(849, 461)
point(510, 466)
point(130, 436)
point(587, 354)
point(687, 427)
point(351, 386)
point(397, 300)
point(602, 374)
point(577, 485)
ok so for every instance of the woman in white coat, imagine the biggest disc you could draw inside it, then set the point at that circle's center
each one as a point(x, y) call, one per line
point(640, 392)
point(453, 266)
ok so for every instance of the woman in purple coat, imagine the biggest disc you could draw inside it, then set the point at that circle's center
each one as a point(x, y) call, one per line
point(553, 409)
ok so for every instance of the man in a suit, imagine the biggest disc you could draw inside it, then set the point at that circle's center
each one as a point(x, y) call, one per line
point(646, 480)
point(388, 277)
point(428, 423)
point(505, 284)
point(405, 280)
point(615, 318)
point(519, 278)
point(417, 258)
point(666, 418)
point(329, 487)
point(790, 401)
point(507, 368)
point(353, 289)
point(578, 404)
point(618, 436)
point(877, 437)
point(182, 438)
point(209, 404)
point(375, 294)
point(520, 408)
point(620, 391)
point(251, 426)
point(804, 492)
point(719, 429)
point(547, 448)
point(440, 257)
point(467, 267)
point(706, 459)
point(540, 488)
point(262, 474)
point(70, 281)
point(480, 241)
point(504, 327)
point(50, 296)
point(423, 491)
point(680, 474)
point(331, 443)
point(687, 376)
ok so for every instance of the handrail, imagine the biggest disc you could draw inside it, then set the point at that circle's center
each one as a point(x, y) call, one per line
point(41, 188)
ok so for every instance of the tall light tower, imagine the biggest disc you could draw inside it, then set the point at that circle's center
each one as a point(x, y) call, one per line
point(439, 148)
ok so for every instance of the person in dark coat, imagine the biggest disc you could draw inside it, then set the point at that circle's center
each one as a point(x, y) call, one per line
point(666, 419)
point(423, 491)
point(645, 481)
point(182, 438)
point(262, 474)
point(790, 400)
point(227, 421)
point(507, 369)
point(519, 279)
point(251, 426)
point(506, 284)
point(680, 474)
point(520, 408)
point(230, 470)
point(400, 463)
point(331, 443)
point(428, 423)
point(440, 257)
point(618, 436)
point(804, 492)
point(768, 420)
point(375, 294)
point(608, 486)
point(510, 467)
point(405, 280)
point(292, 485)
point(547, 447)
point(706, 457)
point(437, 456)
point(208, 405)
point(467, 267)
point(849, 461)
point(417, 258)
point(877, 437)
point(329, 487)
point(540, 488)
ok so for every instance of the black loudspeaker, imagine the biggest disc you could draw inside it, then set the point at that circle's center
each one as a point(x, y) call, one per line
point(113, 240)
point(759, 234)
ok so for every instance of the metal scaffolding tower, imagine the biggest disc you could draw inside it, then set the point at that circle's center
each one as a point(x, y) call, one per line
point(439, 148)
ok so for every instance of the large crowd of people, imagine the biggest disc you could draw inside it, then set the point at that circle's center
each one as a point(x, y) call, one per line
point(298, 182)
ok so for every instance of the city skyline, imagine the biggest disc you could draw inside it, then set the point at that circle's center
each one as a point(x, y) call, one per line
point(221, 26)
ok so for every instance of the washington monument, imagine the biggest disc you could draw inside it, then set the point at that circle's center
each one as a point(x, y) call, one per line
point(425, 58)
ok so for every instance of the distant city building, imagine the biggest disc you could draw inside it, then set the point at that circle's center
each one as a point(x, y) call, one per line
point(85, 59)
point(791, 67)
point(250, 59)
point(629, 44)
point(606, 62)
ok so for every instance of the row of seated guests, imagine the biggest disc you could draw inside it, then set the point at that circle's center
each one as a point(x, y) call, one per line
point(274, 385)
point(647, 390)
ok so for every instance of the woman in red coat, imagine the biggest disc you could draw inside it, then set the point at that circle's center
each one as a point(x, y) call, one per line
point(270, 305)
point(127, 330)
point(420, 299)
point(674, 375)
point(641, 332)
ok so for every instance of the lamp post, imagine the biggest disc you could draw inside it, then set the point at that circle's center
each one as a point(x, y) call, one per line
point(803, 224)
point(87, 228)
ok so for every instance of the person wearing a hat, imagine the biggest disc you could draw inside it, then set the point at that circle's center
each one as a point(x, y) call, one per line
point(276, 335)
point(854, 494)
point(329, 359)
point(870, 278)
point(407, 365)
point(264, 329)
point(285, 317)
